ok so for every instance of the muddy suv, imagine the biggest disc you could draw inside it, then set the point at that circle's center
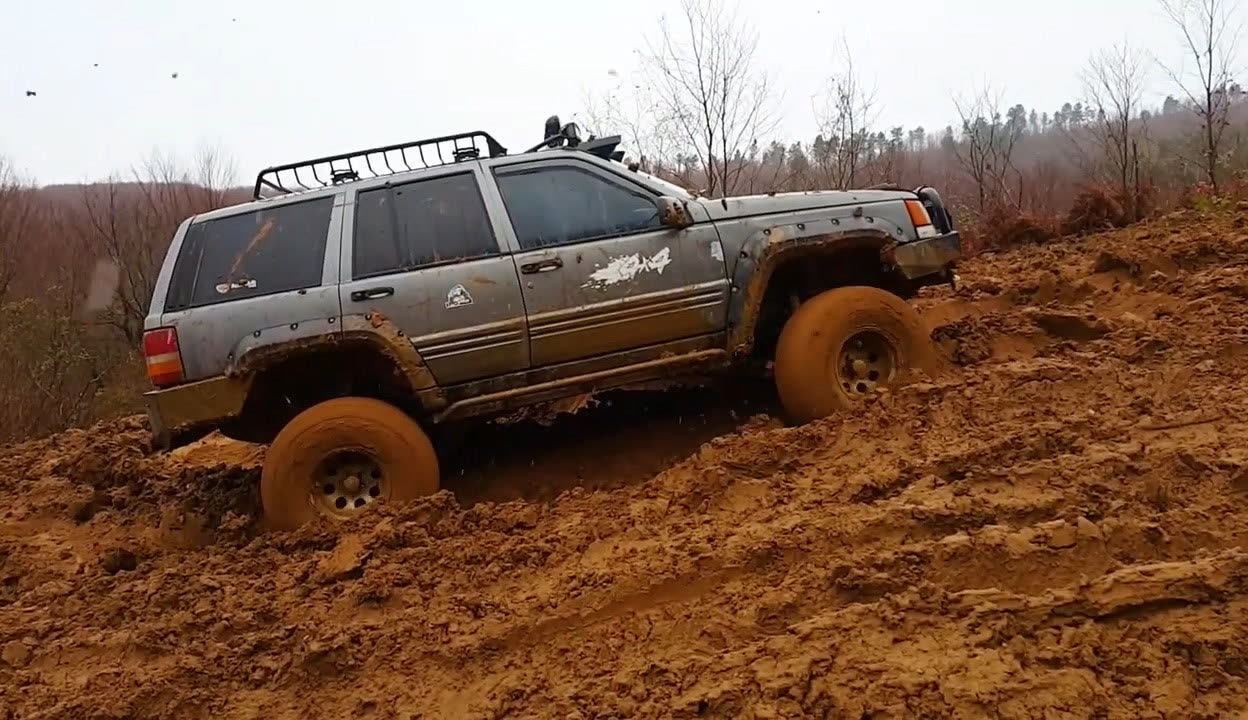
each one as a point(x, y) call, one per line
point(363, 301)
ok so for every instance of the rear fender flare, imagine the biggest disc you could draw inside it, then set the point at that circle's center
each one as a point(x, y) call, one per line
point(260, 350)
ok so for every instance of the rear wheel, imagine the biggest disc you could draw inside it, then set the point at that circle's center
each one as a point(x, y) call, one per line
point(843, 346)
point(340, 457)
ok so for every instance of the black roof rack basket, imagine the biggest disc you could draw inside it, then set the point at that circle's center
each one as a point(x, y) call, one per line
point(375, 162)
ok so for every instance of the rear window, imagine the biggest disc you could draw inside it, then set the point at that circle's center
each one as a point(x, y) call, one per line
point(272, 250)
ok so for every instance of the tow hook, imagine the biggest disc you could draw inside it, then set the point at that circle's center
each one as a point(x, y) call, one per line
point(953, 278)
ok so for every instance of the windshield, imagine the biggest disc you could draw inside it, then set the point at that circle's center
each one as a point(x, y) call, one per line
point(668, 187)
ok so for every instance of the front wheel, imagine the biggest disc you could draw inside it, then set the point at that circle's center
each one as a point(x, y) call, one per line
point(843, 346)
point(341, 456)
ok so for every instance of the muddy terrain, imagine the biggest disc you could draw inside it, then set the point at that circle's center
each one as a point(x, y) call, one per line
point(1055, 527)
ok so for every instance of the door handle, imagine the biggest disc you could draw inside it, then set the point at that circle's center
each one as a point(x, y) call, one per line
point(541, 266)
point(371, 294)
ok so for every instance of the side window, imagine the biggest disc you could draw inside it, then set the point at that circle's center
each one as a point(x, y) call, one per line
point(272, 250)
point(376, 249)
point(560, 205)
point(427, 222)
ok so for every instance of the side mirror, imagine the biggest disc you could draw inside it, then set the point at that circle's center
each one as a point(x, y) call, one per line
point(672, 213)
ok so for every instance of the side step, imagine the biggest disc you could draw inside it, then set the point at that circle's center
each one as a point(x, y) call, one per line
point(564, 387)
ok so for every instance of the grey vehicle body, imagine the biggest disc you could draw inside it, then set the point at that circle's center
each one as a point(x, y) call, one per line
point(513, 319)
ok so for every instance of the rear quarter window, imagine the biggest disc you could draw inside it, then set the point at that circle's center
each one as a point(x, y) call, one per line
point(267, 251)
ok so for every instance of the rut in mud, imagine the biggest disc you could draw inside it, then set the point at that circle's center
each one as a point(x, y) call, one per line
point(1054, 527)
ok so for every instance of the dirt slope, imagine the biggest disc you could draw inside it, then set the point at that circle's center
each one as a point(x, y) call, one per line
point(1054, 529)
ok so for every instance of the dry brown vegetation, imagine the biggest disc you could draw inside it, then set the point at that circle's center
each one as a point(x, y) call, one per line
point(77, 263)
point(77, 268)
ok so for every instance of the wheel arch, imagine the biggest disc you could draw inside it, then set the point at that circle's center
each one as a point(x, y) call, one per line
point(779, 259)
point(369, 357)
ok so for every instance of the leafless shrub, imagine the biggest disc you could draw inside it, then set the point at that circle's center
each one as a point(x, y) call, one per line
point(1005, 227)
point(50, 373)
point(1095, 208)
point(17, 219)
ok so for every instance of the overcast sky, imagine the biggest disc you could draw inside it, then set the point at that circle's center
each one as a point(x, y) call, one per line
point(275, 81)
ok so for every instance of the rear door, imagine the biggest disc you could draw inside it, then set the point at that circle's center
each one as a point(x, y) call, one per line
point(599, 272)
point(425, 254)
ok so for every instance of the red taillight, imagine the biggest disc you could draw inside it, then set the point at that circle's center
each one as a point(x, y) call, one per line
point(164, 359)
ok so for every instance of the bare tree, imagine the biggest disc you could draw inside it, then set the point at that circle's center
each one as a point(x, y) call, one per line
point(718, 103)
point(986, 150)
point(630, 109)
point(845, 123)
point(1114, 83)
point(131, 225)
point(17, 217)
point(1211, 39)
point(891, 162)
point(213, 174)
point(769, 172)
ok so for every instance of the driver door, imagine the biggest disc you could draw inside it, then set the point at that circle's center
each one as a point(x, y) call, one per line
point(598, 271)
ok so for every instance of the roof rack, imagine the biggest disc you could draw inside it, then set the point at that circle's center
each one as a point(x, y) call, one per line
point(375, 162)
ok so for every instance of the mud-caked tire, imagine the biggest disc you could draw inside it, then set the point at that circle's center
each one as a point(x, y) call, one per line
point(338, 457)
point(842, 346)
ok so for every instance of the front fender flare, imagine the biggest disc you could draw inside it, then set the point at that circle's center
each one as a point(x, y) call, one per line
point(764, 251)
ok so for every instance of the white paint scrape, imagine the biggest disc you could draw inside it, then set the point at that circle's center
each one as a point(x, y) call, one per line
point(627, 267)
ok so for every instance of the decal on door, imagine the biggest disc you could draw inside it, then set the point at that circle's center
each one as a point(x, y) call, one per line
point(627, 267)
point(458, 297)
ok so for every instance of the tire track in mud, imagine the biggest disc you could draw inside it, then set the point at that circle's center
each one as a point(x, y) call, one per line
point(801, 551)
point(980, 542)
point(1055, 525)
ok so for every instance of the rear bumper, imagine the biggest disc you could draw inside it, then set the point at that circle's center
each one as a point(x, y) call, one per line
point(928, 256)
point(194, 404)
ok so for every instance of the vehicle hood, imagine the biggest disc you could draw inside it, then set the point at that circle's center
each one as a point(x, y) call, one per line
point(751, 205)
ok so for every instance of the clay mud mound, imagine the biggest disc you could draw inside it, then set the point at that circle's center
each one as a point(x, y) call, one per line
point(1053, 527)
